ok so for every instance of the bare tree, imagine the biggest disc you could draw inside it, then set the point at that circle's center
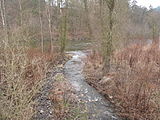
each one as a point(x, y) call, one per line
point(41, 26)
point(2, 14)
point(4, 20)
point(50, 25)
point(87, 18)
point(63, 26)
point(108, 45)
point(21, 12)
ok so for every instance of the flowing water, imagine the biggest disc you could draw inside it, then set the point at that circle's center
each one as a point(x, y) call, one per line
point(97, 107)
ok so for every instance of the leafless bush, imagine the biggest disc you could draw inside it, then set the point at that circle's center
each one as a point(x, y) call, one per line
point(133, 85)
point(137, 82)
point(94, 64)
point(20, 80)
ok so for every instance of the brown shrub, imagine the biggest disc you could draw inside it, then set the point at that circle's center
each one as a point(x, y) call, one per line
point(60, 97)
point(134, 84)
point(21, 79)
point(94, 63)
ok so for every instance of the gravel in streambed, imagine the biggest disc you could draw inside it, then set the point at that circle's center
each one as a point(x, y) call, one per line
point(44, 108)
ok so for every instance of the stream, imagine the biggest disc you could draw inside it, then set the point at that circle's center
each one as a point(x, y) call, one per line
point(97, 107)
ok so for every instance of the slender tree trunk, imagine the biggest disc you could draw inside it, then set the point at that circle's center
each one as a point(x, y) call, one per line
point(101, 15)
point(21, 14)
point(41, 25)
point(63, 25)
point(159, 40)
point(109, 38)
point(4, 21)
point(87, 18)
point(154, 33)
point(103, 31)
point(63, 29)
point(2, 14)
point(50, 28)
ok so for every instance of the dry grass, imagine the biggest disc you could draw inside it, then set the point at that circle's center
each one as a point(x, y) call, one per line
point(52, 58)
point(133, 84)
point(93, 65)
point(22, 72)
point(65, 102)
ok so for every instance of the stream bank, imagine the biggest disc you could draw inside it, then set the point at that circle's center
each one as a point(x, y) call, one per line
point(44, 107)
point(96, 106)
point(57, 100)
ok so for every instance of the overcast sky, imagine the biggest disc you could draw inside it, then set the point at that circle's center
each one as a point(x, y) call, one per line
point(147, 3)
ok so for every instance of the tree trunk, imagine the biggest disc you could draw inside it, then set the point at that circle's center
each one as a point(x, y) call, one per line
point(87, 18)
point(154, 34)
point(108, 43)
point(2, 14)
point(4, 21)
point(50, 28)
point(21, 14)
point(63, 29)
point(41, 25)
